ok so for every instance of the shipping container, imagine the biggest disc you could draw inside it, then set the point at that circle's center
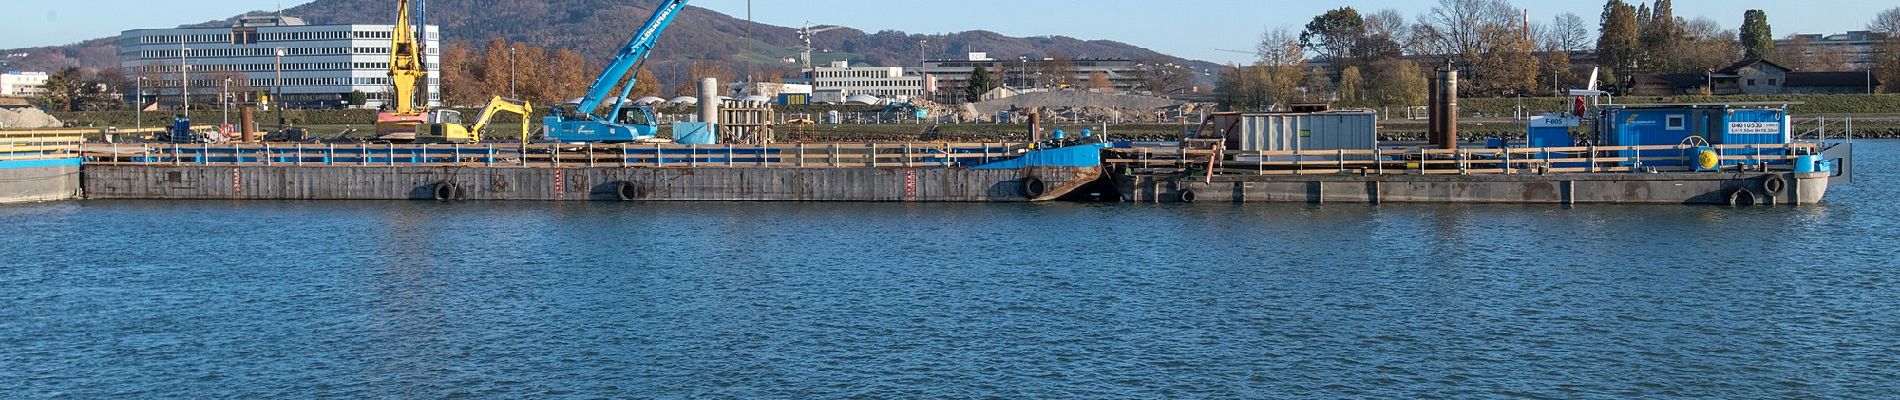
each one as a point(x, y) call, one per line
point(1678, 124)
point(1331, 130)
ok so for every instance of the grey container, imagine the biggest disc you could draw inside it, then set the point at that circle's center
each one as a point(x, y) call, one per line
point(1331, 130)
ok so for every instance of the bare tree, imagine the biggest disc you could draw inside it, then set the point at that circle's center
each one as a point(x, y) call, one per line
point(1487, 39)
point(1567, 33)
point(1387, 35)
point(1282, 65)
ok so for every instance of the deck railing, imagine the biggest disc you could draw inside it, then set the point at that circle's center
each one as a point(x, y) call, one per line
point(828, 155)
point(1171, 159)
point(39, 145)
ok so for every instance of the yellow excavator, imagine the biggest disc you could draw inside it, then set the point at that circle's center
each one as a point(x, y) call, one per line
point(401, 116)
point(445, 126)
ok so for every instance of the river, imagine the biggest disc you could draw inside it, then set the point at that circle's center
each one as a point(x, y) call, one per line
point(158, 299)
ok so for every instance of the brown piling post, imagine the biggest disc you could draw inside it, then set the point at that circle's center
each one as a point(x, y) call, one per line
point(1450, 108)
point(1035, 127)
point(1432, 117)
point(247, 124)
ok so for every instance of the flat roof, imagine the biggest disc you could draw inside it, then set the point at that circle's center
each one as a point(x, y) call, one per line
point(1706, 105)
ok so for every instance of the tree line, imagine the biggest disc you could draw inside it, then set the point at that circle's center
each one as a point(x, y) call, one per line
point(1380, 58)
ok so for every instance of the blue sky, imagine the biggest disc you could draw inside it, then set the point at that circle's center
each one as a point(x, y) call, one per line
point(1187, 28)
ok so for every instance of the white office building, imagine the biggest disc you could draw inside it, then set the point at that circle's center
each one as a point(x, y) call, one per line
point(839, 80)
point(320, 65)
point(22, 84)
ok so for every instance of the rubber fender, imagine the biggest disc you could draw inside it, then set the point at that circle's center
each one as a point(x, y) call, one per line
point(1188, 195)
point(447, 191)
point(1774, 184)
point(1741, 197)
point(1034, 187)
point(627, 191)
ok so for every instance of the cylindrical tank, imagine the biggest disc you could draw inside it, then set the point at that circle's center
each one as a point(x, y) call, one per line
point(709, 101)
point(247, 124)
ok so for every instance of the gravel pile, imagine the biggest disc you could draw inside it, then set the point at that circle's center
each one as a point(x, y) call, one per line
point(27, 118)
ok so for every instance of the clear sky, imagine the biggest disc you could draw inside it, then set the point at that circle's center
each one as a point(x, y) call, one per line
point(1186, 28)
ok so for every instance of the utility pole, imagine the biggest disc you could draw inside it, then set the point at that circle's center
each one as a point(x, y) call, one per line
point(279, 87)
point(224, 99)
point(184, 78)
point(511, 73)
point(139, 98)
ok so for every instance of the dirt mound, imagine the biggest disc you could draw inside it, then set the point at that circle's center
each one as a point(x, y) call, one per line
point(1078, 106)
point(27, 118)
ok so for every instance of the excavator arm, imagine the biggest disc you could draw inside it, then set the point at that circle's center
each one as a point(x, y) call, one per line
point(405, 64)
point(499, 104)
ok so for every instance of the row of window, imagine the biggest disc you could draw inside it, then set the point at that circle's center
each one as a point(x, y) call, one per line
point(913, 82)
point(251, 36)
point(822, 74)
point(172, 68)
point(268, 82)
point(270, 52)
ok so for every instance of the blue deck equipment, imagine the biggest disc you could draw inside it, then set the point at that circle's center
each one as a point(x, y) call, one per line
point(1693, 124)
point(622, 122)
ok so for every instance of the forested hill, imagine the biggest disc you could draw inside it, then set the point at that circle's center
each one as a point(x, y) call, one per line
point(597, 28)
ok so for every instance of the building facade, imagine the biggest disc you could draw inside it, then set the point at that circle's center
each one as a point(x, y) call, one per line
point(22, 84)
point(842, 79)
point(320, 65)
point(1753, 76)
point(1856, 48)
point(953, 76)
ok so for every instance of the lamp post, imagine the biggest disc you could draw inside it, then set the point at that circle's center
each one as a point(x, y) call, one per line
point(224, 99)
point(511, 73)
point(278, 86)
point(139, 98)
point(184, 79)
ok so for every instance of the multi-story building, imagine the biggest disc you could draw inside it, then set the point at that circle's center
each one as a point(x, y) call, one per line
point(1856, 48)
point(953, 76)
point(319, 65)
point(22, 84)
point(839, 80)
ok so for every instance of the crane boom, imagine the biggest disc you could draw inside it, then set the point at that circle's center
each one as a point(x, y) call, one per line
point(584, 122)
point(637, 50)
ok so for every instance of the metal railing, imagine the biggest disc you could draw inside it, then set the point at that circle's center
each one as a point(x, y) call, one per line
point(1591, 159)
point(40, 145)
point(830, 155)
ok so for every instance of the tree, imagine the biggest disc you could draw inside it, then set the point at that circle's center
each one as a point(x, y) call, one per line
point(1887, 58)
point(358, 98)
point(460, 79)
point(1659, 36)
point(1334, 35)
point(980, 83)
point(645, 84)
point(1351, 86)
point(1567, 33)
point(1705, 46)
point(1617, 41)
point(1758, 38)
point(1395, 83)
point(1098, 80)
point(72, 89)
point(1556, 68)
point(1158, 74)
point(1058, 71)
point(1385, 36)
point(1488, 41)
point(1281, 68)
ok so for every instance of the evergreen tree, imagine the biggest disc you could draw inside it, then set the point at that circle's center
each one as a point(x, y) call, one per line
point(1617, 45)
point(1660, 35)
point(1758, 39)
point(980, 83)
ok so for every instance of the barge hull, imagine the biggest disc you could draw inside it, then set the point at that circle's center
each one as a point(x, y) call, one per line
point(39, 180)
point(576, 183)
point(1613, 188)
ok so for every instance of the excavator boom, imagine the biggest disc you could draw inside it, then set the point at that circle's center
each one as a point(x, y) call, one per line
point(401, 115)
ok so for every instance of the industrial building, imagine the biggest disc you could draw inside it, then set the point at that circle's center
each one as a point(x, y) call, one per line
point(839, 80)
point(1754, 76)
point(1857, 48)
point(953, 76)
point(319, 65)
point(22, 84)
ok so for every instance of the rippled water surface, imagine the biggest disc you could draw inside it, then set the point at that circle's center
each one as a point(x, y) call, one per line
point(749, 300)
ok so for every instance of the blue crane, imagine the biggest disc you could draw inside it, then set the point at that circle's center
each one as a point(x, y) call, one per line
point(623, 123)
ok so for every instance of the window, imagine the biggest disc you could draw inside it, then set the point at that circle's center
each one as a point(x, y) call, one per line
point(1751, 82)
point(1771, 81)
point(1676, 122)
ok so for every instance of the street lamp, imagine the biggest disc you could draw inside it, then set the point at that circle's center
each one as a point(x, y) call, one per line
point(225, 100)
point(139, 98)
point(184, 79)
point(511, 73)
point(278, 86)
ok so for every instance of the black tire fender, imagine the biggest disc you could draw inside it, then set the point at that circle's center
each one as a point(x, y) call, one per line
point(1742, 196)
point(1034, 187)
point(1774, 184)
point(1188, 195)
point(447, 191)
point(627, 191)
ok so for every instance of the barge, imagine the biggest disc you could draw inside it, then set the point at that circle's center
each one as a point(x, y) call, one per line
point(39, 166)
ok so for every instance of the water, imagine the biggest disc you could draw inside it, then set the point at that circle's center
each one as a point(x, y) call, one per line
point(607, 300)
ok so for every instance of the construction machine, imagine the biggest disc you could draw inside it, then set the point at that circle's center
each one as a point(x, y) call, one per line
point(584, 122)
point(445, 126)
point(400, 117)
